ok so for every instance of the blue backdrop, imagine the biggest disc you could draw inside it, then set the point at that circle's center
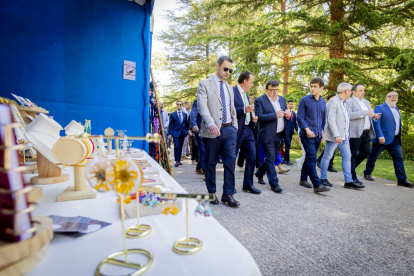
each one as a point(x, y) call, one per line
point(67, 57)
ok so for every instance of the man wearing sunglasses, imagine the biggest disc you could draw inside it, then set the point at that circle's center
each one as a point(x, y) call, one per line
point(215, 99)
point(178, 129)
point(388, 136)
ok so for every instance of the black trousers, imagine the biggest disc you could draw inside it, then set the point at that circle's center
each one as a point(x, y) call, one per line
point(360, 150)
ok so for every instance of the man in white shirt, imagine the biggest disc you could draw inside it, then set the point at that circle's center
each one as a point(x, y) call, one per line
point(388, 136)
point(246, 121)
point(164, 116)
point(272, 113)
point(361, 128)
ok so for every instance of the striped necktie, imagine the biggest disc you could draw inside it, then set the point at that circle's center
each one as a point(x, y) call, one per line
point(223, 101)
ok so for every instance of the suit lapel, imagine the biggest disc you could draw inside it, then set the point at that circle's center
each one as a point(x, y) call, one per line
point(390, 112)
point(213, 85)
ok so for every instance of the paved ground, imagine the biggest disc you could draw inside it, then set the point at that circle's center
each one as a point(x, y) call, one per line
point(344, 232)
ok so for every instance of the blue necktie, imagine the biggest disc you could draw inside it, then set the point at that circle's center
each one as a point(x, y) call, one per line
point(223, 101)
point(179, 116)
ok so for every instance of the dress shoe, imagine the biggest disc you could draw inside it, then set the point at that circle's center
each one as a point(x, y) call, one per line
point(350, 185)
point(176, 164)
point(369, 177)
point(288, 163)
point(326, 182)
point(276, 189)
point(200, 171)
point(259, 178)
point(230, 201)
point(332, 169)
point(215, 202)
point(179, 163)
point(305, 184)
point(283, 170)
point(252, 190)
point(356, 181)
point(321, 189)
point(406, 183)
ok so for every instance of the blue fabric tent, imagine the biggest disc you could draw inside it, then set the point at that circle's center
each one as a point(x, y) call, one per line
point(67, 56)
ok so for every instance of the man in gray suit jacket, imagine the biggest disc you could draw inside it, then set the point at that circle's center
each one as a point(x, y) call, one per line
point(215, 99)
point(362, 130)
point(337, 134)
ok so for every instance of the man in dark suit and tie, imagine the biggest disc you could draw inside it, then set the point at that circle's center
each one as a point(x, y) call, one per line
point(245, 135)
point(272, 113)
point(215, 102)
point(195, 125)
point(291, 126)
point(178, 129)
point(388, 136)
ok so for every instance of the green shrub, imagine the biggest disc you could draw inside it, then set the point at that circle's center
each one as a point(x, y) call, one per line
point(407, 147)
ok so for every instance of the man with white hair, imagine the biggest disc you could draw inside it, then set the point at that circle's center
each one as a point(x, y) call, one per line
point(337, 134)
point(388, 136)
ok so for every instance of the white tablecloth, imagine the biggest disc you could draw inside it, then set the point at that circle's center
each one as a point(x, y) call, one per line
point(221, 254)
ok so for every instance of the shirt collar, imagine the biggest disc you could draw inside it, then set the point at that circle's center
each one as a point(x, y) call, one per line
point(271, 98)
point(340, 98)
point(391, 106)
point(361, 100)
point(216, 78)
point(240, 89)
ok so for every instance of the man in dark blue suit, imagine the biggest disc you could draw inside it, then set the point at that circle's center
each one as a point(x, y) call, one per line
point(388, 136)
point(291, 126)
point(245, 136)
point(272, 113)
point(195, 125)
point(178, 129)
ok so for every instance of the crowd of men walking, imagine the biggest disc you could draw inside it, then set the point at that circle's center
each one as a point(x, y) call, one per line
point(224, 123)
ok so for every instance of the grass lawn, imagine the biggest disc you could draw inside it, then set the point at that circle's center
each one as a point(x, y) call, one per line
point(383, 168)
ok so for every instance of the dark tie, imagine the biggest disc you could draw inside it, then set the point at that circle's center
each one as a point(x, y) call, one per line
point(223, 101)
point(179, 117)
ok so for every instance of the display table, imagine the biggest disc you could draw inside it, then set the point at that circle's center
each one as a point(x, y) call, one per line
point(221, 254)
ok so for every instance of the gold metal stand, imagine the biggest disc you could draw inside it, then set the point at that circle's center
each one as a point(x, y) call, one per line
point(111, 258)
point(187, 245)
point(139, 230)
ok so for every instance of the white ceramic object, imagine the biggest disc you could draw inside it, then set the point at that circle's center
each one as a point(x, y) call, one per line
point(43, 133)
point(74, 128)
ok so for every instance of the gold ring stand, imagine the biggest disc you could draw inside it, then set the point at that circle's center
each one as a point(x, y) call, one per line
point(134, 231)
point(139, 230)
point(188, 245)
point(111, 259)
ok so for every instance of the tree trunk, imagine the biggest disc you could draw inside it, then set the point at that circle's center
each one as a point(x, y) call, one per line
point(336, 46)
point(285, 56)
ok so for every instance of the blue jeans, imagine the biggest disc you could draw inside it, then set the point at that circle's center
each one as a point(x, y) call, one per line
point(346, 159)
point(311, 146)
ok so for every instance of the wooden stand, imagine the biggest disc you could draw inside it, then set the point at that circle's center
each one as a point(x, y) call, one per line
point(35, 194)
point(80, 190)
point(49, 173)
point(20, 257)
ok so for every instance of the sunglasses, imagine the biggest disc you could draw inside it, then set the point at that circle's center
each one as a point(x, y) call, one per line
point(179, 104)
point(227, 69)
